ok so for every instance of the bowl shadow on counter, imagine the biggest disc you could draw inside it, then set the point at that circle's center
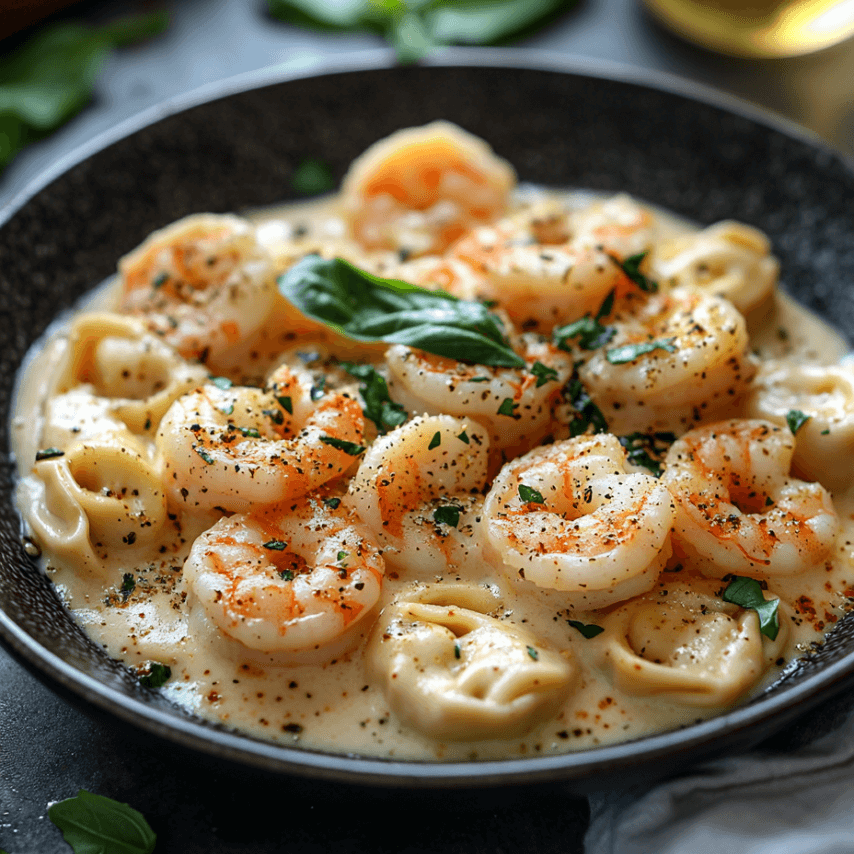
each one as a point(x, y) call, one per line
point(697, 159)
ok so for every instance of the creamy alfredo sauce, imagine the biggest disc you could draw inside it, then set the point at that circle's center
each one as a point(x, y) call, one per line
point(141, 610)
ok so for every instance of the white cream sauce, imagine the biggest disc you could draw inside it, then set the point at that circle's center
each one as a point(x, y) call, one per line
point(334, 706)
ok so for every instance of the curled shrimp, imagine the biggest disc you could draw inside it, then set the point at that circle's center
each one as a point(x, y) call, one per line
point(410, 477)
point(728, 259)
point(233, 448)
point(699, 368)
point(824, 393)
point(422, 188)
point(203, 284)
point(684, 644)
point(452, 671)
point(571, 517)
point(515, 405)
point(287, 579)
point(539, 284)
point(738, 510)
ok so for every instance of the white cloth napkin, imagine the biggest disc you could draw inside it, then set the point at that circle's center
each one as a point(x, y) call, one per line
point(778, 799)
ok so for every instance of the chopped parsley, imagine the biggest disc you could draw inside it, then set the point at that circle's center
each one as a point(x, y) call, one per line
point(631, 268)
point(128, 585)
point(154, 674)
point(49, 454)
point(379, 407)
point(287, 404)
point(350, 448)
point(796, 419)
point(647, 449)
point(435, 441)
point(203, 454)
point(543, 373)
point(747, 593)
point(629, 352)
point(508, 407)
point(587, 413)
point(530, 495)
point(588, 630)
point(447, 515)
point(332, 503)
point(533, 653)
point(275, 545)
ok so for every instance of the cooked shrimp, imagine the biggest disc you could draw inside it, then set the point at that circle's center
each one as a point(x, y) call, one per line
point(236, 447)
point(541, 285)
point(699, 369)
point(571, 517)
point(738, 510)
point(202, 284)
point(422, 188)
point(515, 405)
point(412, 476)
point(287, 579)
point(727, 259)
point(824, 393)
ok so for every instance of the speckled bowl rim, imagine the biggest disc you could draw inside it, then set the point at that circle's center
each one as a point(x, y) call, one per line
point(584, 770)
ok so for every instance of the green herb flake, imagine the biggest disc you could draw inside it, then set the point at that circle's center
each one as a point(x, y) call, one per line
point(318, 389)
point(49, 454)
point(350, 448)
point(629, 352)
point(588, 630)
point(160, 280)
point(222, 383)
point(796, 419)
point(591, 334)
point(286, 575)
point(447, 515)
point(203, 454)
point(507, 407)
point(747, 593)
point(154, 675)
point(275, 415)
point(631, 268)
point(825, 432)
point(587, 413)
point(332, 503)
point(93, 824)
point(365, 307)
point(479, 380)
point(312, 177)
point(435, 441)
point(543, 373)
point(533, 653)
point(341, 556)
point(530, 495)
point(457, 651)
point(647, 449)
point(379, 407)
point(227, 410)
point(287, 404)
point(463, 437)
point(249, 432)
point(275, 545)
point(128, 585)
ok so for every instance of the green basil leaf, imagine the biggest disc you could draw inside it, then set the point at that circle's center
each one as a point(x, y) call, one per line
point(346, 15)
point(631, 268)
point(332, 503)
point(629, 352)
point(747, 593)
point(543, 373)
point(312, 177)
point(93, 824)
point(275, 545)
point(155, 675)
point(448, 515)
point(589, 630)
point(647, 449)
point(379, 407)
point(532, 651)
point(796, 419)
point(530, 495)
point(591, 334)
point(489, 21)
point(588, 413)
point(369, 308)
point(350, 448)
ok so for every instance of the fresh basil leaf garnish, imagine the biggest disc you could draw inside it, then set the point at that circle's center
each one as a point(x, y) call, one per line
point(350, 448)
point(631, 268)
point(543, 373)
point(629, 352)
point(588, 630)
point(93, 824)
point(365, 307)
point(747, 593)
point(155, 675)
point(530, 495)
point(379, 407)
point(312, 177)
point(796, 419)
point(447, 515)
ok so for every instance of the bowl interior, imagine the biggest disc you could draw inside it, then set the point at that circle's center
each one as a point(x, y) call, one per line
point(698, 159)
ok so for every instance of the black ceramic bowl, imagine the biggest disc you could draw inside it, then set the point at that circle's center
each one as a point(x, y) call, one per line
point(236, 147)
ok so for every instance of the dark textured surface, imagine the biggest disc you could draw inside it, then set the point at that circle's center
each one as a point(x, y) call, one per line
point(557, 129)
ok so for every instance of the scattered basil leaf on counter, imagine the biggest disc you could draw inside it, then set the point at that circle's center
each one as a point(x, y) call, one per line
point(350, 448)
point(379, 407)
point(631, 268)
point(629, 352)
point(448, 515)
point(796, 419)
point(156, 675)
point(365, 307)
point(747, 592)
point(312, 177)
point(530, 495)
point(589, 630)
point(414, 27)
point(93, 824)
point(51, 77)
